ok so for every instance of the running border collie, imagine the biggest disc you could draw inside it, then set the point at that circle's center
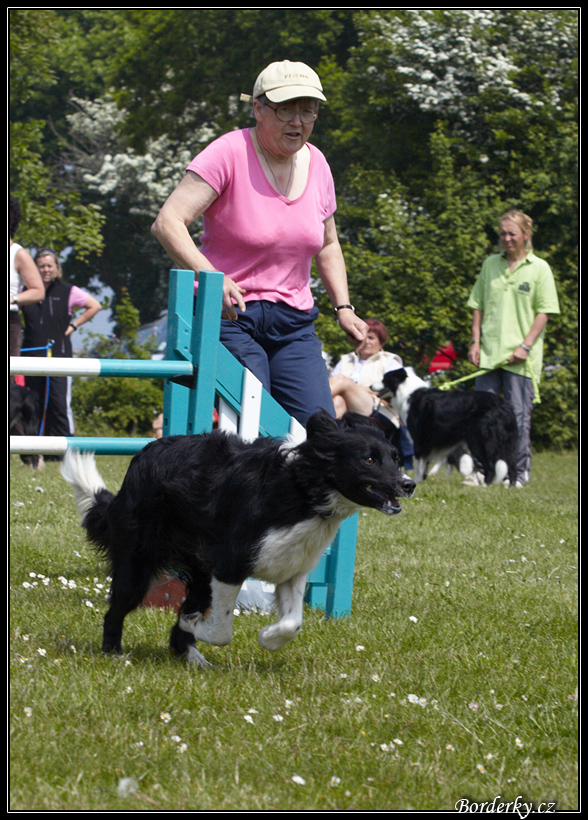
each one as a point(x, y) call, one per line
point(439, 420)
point(217, 510)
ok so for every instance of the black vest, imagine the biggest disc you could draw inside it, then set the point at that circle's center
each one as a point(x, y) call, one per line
point(49, 319)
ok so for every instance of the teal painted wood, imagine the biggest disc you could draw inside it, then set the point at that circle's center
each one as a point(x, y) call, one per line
point(330, 584)
point(180, 311)
point(230, 378)
point(341, 569)
point(273, 419)
point(205, 344)
point(107, 446)
point(143, 368)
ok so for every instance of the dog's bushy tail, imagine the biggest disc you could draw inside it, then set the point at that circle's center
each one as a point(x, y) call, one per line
point(91, 495)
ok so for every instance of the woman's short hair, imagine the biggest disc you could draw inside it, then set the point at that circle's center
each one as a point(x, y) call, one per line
point(379, 328)
point(48, 252)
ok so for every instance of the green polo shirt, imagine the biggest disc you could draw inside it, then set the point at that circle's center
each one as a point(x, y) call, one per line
point(510, 301)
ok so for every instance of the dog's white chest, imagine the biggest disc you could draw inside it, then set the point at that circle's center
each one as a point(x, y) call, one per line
point(290, 551)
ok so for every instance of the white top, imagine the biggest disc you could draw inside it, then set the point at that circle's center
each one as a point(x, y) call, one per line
point(15, 282)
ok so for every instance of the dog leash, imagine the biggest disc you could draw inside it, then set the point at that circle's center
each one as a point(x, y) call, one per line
point(46, 347)
point(536, 396)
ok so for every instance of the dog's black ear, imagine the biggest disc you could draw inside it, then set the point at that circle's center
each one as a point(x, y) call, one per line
point(355, 421)
point(320, 424)
point(392, 379)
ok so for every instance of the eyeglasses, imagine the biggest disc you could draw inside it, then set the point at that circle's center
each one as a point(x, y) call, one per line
point(285, 113)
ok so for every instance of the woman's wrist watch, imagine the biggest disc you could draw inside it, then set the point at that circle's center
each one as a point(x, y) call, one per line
point(343, 307)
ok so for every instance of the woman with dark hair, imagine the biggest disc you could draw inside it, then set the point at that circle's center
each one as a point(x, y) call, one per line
point(354, 373)
point(351, 381)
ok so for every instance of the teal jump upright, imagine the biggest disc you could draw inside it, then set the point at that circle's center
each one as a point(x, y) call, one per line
point(218, 373)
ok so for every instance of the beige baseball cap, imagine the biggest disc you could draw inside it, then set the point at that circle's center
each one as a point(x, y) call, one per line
point(286, 80)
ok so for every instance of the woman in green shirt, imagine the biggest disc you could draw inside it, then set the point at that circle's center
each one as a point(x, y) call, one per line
point(512, 299)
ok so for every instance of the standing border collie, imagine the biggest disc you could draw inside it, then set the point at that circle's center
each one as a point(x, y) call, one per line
point(24, 418)
point(438, 421)
point(218, 510)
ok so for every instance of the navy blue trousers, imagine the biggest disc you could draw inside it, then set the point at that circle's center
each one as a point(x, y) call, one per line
point(279, 345)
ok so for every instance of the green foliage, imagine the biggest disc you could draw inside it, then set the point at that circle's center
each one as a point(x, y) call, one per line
point(118, 406)
point(51, 215)
point(412, 262)
point(555, 421)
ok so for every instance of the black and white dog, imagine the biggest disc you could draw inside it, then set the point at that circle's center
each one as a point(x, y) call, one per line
point(218, 510)
point(438, 421)
point(24, 418)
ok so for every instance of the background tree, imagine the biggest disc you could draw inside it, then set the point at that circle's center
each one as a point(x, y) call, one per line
point(115, 406)
point(52, 215)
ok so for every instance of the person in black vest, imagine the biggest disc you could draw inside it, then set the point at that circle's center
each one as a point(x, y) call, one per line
point(52, 319)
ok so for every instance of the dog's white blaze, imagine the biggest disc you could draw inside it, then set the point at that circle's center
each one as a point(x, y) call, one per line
point(79, 470)
point(401, 400)
point(289, 551)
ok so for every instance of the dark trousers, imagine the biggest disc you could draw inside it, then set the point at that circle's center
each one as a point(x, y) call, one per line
point(518, 392)
point(279, 345)
point(58, 415)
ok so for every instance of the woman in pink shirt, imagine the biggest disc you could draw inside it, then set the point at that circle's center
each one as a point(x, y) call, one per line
point(268, 201)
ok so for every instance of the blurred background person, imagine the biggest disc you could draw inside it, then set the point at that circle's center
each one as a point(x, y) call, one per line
point(53, 320)
point(351, 380)
point(22, 273)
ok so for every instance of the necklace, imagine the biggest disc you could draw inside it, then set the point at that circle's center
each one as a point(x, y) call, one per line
point(278, 186)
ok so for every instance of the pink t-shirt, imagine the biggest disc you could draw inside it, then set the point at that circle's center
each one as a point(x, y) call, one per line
point(253, 234)
point(77, 298)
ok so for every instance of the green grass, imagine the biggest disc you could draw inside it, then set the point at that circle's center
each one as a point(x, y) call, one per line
point(475, 698)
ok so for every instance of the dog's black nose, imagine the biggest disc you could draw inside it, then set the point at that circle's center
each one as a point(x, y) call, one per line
point(408, 485)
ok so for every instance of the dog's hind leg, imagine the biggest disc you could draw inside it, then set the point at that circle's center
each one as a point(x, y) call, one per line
point(198, 599)
point(216, 625)
point(130, 582)
point(183, 643)
point(420, 469)
point(290, 598)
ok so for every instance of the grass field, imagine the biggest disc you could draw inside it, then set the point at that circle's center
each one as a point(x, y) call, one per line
point(454, 677)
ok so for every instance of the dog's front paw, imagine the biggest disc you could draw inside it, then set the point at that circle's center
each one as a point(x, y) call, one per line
point(276, 636)
point(193, 656)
